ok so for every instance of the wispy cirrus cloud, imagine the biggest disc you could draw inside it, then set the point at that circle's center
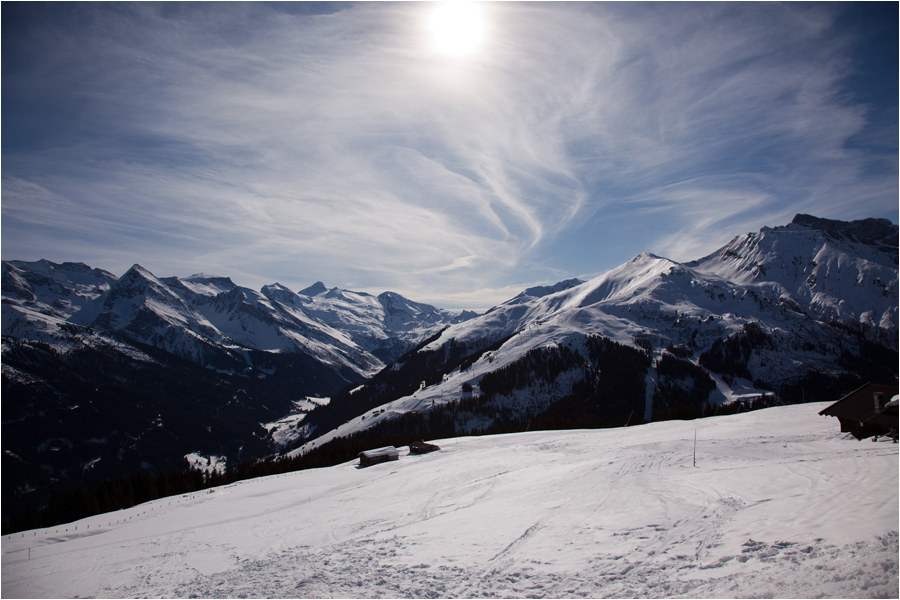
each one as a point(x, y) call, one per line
point(333, 143)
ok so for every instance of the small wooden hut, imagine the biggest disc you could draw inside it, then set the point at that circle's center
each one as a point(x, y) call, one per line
point(867, 411)
point(422, 448)
point(378, 455)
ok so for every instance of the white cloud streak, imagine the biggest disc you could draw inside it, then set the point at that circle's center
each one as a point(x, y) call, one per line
point(241, 139)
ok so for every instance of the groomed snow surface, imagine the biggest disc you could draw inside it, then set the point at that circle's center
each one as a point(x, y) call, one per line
point(779, 504)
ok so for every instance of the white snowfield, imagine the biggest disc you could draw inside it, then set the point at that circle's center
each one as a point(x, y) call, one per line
point(779, 504)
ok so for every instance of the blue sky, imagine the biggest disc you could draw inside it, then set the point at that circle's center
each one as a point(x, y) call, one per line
point(300, 142)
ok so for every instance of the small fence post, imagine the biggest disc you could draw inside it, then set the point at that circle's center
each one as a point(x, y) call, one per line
point(695, 447)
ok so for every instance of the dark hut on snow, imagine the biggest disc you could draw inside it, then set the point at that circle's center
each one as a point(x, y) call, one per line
point(869, 411)
point(379, 455)
point(422, 447)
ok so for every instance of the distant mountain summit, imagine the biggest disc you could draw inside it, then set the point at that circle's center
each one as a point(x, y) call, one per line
point(68, 291)
point(543, 290)
point(387, 325)
point(833, 271)
point(877, 232)
point(314, 290)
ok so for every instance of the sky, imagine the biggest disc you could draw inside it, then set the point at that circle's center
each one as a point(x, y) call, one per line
point(346, 143)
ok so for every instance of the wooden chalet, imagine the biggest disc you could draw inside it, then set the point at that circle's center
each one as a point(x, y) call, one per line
point(869, 411)
point(378, 455)
point(422, 448)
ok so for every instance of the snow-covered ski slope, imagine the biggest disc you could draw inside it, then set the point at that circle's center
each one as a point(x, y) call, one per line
point(778, 504)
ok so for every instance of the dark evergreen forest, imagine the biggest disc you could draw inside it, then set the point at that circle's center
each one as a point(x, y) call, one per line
point(76, 419)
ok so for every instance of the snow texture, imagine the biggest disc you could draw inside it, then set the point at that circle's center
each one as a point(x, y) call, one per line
point(285, 430)
point(778, 504)
point(207, 464)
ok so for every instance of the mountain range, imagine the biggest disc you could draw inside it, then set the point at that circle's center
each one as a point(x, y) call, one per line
point(107, 375)
point(800, 312)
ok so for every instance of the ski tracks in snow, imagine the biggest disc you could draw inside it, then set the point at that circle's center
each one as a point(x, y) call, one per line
point(369, 569)
point(645, 524)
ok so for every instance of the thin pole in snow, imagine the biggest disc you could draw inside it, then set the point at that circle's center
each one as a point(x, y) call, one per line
point(695, 447)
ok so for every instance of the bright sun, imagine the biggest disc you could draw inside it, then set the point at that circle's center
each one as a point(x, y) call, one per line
point(457, 28)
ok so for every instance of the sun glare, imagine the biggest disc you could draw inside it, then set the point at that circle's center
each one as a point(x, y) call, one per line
point(457, 28)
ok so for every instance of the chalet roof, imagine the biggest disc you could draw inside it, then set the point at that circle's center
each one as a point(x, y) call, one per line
point(386, 451)
point(859, 405)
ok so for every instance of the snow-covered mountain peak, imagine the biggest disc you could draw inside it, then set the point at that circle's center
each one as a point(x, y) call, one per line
point(314, 290)
point(335, 293)
point(137, 270)
point(877, 232)
point(545, 290)
point(833, 270)
point(539, 291)
point(582, 307)
point(138, 281)
point(71, 271)
point(66, 274)
point(392, 296)
point(15, 283)
point(276, 288)
point(402, 314)
point(623, 282)
point(644, 258)
point(280, 293)
point(239, 295)
point(207, 285)
point(140, 303)
point(42, 266)
point(40, 296)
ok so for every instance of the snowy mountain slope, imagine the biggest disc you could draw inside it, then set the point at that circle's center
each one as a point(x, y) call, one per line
point(658, 297)
point(284, 430)
point(354, 314)
point(145, 309)
point(772, 508)
point(769, 311)
point(387, 325)
point(831, 270)
point(764, 276)
point(69, 291)
point(213, 321)
point(202, 284)
point(202, 317)
point(252, 320)
point(544, 290)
